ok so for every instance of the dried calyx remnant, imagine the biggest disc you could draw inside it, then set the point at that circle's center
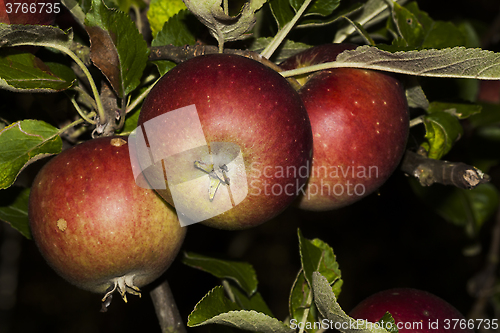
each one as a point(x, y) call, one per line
point(124, 285)
point(217, 176)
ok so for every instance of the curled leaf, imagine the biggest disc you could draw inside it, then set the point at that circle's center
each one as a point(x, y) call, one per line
point(222, 26)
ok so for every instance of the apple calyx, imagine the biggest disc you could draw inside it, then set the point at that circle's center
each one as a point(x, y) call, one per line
point(217, 177)
point(123, 284)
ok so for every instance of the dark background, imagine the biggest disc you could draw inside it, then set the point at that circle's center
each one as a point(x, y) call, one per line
point(389, 239)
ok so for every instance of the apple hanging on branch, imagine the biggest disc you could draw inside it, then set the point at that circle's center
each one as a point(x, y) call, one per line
point(414, 311)
point(94, 225)
point(242, 155)
point(360, 126)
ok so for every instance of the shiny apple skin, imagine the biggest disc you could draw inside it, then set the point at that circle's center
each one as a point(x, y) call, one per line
point(94, 225)
point(360, 125)
point(240, 101)
point(408, 306)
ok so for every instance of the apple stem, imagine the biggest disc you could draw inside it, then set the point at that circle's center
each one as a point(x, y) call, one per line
point(281, 35)
point(416, 121)
point(166, 309)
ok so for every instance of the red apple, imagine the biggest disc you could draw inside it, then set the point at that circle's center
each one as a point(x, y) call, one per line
point(41, 12)
point(489, 92)
point(96, 227)
point(414, 311)
point(359, 120)
point(218, 117)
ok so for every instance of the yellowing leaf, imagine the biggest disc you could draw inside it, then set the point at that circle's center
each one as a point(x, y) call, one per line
point(160, 11)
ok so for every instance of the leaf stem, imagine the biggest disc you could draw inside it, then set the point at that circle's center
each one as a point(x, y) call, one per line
point(281, 35)
point(141, 97)
point(306, 311)
point(73, 124)
point(81, 113)
point(373, 12)
point(229, 291)
point(100, 108)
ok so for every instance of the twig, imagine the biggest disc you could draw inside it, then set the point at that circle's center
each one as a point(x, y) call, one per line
point(481, 286)
point(179, 54)
point(166, 309)
point(429, 171)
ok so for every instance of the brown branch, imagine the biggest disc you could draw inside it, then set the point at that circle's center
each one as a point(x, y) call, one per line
point(166, 309)
point(179, 54)
point(429, 171)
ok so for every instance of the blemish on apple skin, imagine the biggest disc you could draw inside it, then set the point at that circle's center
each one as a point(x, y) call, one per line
point(118, 142)
point(62, 224)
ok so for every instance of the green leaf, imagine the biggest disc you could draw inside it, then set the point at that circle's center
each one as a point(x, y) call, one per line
point(222, 26)
point(131, 122)
point(483, 147)
point(326, 302)
point(126, 5)
point(14, 209)
point(442, 131)
point(175, 32)
point(408, 27)
point(254, 302)
point(415, 94)
point(471, 35)
point(23, 72)
point(316, 255)
point(423, 18)
point(457, 62)
point(466, 208)
point(117, 47)
point(301, 300)
point(459, 110)
point(362, 32)
point(161, 11)
point(285, 51)
point(211, 305)
point(319, 7)
point(443, 35)
point(315, 21)
point(371, 12)
point(490, 115)
point(76, 10)
point(240, 272)
point(215, 308)
point(22, 143)
point(389, 323)
point(37, 35)
point(417, 30)
point(282, 12)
